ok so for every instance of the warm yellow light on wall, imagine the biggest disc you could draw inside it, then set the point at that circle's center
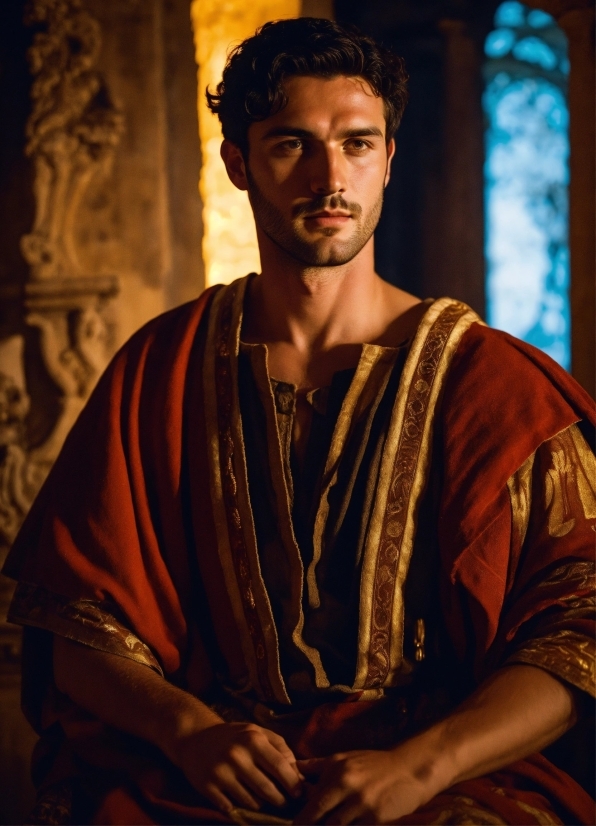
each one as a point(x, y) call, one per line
point(229, 238)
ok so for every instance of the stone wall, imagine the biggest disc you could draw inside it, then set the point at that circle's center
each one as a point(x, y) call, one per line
point(100, 231)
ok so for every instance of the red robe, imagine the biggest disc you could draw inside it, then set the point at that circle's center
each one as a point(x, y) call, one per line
point(126, 519)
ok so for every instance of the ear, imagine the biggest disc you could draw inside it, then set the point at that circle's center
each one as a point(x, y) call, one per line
point(390, 155)
point(234, 162)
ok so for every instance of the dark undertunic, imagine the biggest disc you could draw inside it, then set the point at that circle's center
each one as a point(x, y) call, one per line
point(430, 685)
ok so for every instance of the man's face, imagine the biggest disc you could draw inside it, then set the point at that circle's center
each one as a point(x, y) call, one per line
point(317, 170)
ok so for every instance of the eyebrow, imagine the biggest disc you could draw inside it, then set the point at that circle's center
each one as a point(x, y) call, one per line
point(296, 132)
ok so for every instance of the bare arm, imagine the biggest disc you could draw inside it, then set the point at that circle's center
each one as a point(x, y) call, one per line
point(229, 763)
point(518, 711)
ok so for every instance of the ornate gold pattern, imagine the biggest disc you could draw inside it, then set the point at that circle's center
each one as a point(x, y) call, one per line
point(90, 623)
point(571, 479)
point(464, 811)
point(520, 493)
point(403, 472)
point(543, 818)
point(236, 533)
point(586, 476)
point(578, 576)
point(53, 807)
point(569, 655)
point(560, 520)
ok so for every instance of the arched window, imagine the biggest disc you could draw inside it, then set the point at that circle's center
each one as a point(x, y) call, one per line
point(526, 179)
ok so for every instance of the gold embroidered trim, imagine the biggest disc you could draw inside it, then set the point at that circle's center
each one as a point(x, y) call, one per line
point(520, 494)
point(578, 577)
point(586, 472)
point(567, 654)
point(542, 818)
point(233, 516)
point(356, 399)
point(401, 479)
point(464, 811)
point(53, 806)
point(85, 621)
point(570, 480)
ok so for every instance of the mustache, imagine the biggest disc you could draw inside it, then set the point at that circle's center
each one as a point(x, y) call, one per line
point(327, 202)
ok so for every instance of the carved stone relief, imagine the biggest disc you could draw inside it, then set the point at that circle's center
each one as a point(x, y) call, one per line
point(72, 131)
point(72, 134)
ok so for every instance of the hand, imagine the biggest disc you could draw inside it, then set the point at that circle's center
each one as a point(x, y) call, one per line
point(239, 764)
point(364, 787)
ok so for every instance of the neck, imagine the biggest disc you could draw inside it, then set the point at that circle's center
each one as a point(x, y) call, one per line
point(312, 308)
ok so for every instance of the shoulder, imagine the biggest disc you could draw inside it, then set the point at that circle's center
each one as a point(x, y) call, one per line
point(153, 364)
point(495, 375)
point(171, 326)
point(160, 344)
point(502, 399)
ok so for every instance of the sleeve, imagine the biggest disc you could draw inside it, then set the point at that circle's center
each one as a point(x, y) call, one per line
point(104, 556)
point(99, 625)
point(505, 401)
point(550, 619)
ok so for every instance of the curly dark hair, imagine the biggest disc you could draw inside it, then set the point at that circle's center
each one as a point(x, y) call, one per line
point(252, 88)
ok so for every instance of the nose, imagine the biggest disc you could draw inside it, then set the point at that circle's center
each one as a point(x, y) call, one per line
point(327, 173)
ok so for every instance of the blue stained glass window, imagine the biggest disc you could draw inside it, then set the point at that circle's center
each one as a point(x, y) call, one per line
point(526, 174)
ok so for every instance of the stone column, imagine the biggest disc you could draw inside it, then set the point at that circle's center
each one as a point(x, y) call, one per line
point(576, 18)
point(578, 25)
point(462, 203)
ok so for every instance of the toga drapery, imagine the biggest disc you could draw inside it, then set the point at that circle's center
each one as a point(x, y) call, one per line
point(441, 525)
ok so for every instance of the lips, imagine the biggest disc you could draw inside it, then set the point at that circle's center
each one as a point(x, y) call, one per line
point(328, 220)
point(329, 215)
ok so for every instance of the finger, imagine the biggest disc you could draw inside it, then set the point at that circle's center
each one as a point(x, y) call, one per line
point(280, 744)
point(250, 775)
point(219, 800)
point(282, 747)
point(277, 766)
point(239, 794)
point(313, 767)
point(320, 804)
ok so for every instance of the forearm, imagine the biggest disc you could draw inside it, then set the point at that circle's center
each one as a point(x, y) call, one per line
point(129, 696)
point(518, 711)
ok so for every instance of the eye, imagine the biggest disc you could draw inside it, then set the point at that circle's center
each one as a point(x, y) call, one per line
point(357, 145)
point(292, 145)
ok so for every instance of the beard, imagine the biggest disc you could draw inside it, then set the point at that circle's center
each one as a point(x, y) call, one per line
point(313, 252)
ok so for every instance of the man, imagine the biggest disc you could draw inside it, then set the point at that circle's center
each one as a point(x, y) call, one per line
point(316, 549)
